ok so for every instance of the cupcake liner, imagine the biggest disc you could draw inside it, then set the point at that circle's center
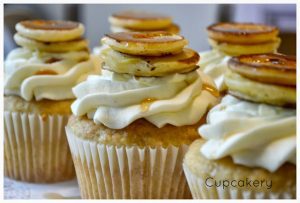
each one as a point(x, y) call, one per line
point(199, 190)
point(128, 172)
point(36, 148)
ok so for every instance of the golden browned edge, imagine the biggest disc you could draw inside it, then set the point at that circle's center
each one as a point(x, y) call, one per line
point(50, 24)
point(138, 15)
point(268, 29)
point(224, 41)
point(139, 133)
point(245, 97)
point(287, 65)
point(141, 74)
point(137, 36)
point(288, 62)
point(45, 107)
point(238, 36)
point(193, 59)
point(173, 28)
point(80, 39)
point(284, 179)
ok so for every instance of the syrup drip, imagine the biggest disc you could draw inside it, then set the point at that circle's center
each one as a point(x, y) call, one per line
point(145, 104)
point(211, 89)
point(46, 72)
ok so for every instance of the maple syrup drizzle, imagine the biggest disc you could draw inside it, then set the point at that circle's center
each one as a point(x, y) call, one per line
point(46, 72)
point(211, 89)
point(146, 103)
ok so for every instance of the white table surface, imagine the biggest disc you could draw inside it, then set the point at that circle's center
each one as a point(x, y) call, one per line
point(23, 190)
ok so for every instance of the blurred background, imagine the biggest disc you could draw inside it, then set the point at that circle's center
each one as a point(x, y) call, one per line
point(192, 19)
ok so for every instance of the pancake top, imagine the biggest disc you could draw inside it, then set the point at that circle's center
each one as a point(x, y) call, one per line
point(49, 24)
point(139, 15)
point(241, 28)
point(267, 61)
point(145, 37)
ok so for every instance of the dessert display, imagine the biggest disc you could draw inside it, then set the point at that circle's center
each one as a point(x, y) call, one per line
point(234, 39)
point(249, 146)
point(133, 123)
point(144, 116)
point(39, 77)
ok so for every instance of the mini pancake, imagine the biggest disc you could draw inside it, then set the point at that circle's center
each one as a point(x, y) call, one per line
point(140, 20)
point(50, 30)
point(145, 43)
point(242, 33)
point(183, 62)
point(276, 69)
point(252, 90)
point(244, 49)
point(173, 28)
point(75, 45)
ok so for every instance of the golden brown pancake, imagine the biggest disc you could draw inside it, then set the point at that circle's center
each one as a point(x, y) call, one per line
point(148, 37)
point(140, 20)
point(145, 43)
point(183, 62)
point(173, 28)
point(139, 15)
point(56, 47)
point(49, 24)
point(50, 30)
point(242, 33)
point(275, 69)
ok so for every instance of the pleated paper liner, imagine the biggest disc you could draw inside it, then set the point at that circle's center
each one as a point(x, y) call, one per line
point(36, 148)
point(199, 190)
point(120, 172)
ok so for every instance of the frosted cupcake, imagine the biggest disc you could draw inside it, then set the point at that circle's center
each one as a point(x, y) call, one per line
point(250, 147)
point(234, 39)
point(39, 77)
point(132, 124)
point(139, 21)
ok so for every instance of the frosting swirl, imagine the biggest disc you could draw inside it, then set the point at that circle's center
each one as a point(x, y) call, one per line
point(178, 99)
point(214, 64)
point(253, 134)
point(47, 75)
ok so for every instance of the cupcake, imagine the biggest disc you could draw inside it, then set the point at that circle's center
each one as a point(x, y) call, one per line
point(234, 39)
point(39, 77)
point(132, 125)
point(139, 21)
point(249, 146)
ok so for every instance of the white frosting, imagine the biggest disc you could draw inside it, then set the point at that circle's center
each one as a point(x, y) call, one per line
point(22, 66)
point(98, 49)
point(214, 64)
point(116, 100)
point(253, 134)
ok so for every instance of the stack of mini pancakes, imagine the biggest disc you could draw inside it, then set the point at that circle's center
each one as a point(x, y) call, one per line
point(148, 54)
point(51, 36)
point(263, 78)
point(141, 21)
point(243, 38)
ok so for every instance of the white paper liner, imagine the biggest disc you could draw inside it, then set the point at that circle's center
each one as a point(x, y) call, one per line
point(111, 172)
point(200, 191)
point(36, 148)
